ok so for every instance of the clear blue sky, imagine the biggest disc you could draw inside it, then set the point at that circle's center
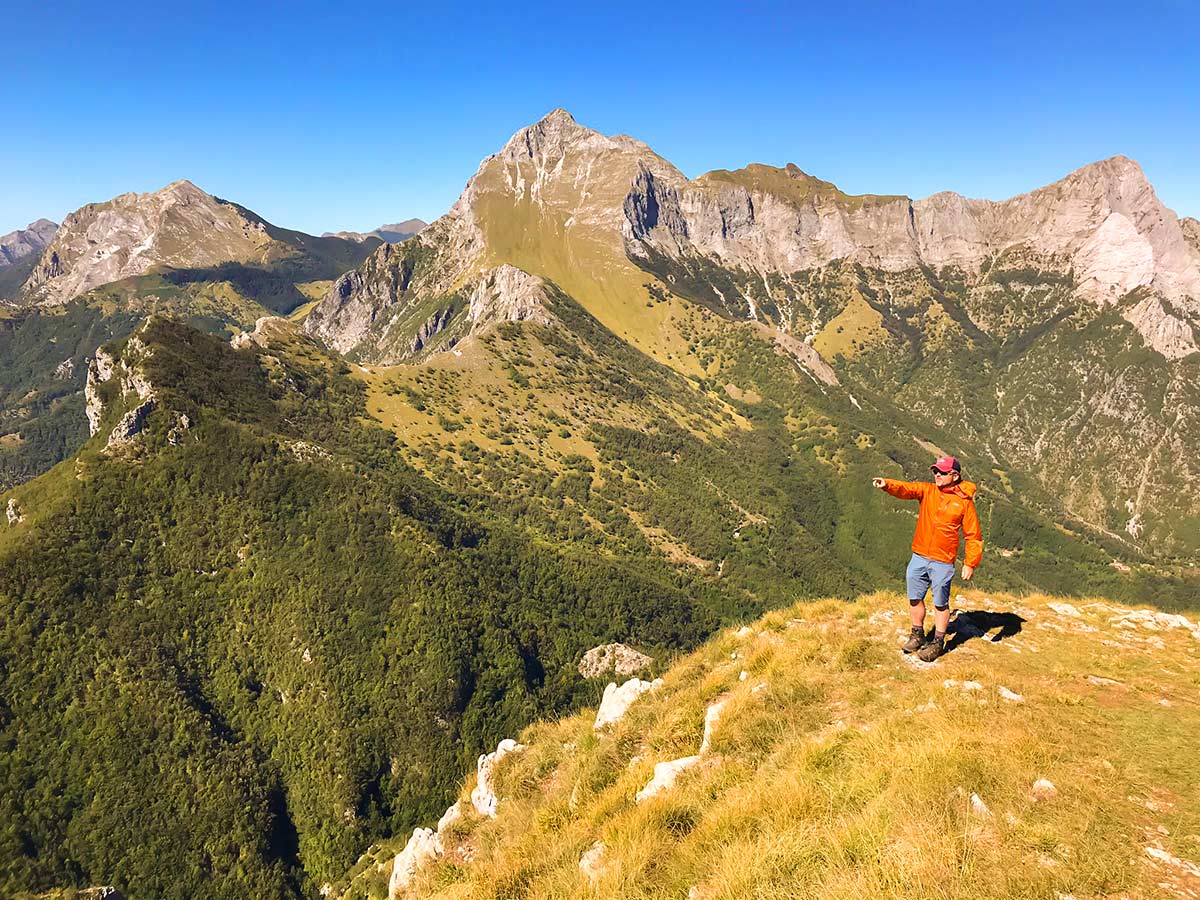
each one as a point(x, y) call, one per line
point(345, 116)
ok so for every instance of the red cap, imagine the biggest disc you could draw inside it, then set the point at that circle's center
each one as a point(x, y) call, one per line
point(946, 464)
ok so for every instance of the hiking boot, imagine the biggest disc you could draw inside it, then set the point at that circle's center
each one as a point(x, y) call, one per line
point(934, 647)
point(915, 642)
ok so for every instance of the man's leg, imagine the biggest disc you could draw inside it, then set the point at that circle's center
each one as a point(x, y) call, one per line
point(917, 581)
point(941, 575)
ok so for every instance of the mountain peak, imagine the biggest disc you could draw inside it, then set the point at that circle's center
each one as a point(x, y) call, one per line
point(553, 132)
point(557, 116)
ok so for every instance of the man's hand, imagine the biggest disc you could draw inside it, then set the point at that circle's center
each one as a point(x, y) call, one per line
point(968, 571)
point(878, 482)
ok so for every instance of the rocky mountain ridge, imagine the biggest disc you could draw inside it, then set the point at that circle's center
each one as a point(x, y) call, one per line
point(954, 307)
point(389, 234)
point(32, 239)
point(1102, 225)
point(179, 228)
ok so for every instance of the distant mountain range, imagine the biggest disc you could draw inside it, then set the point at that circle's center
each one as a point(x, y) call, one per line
point(31, 240)
point(389, 234)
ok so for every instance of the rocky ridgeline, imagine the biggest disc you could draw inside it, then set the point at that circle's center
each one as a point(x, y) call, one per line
point(122, 381)
point(26, 242)
point(360, 313)
point(178, 226)
point(1102, 225)
point(1018, 660)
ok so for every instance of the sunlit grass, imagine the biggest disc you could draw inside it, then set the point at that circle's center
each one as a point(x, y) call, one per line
point(839, 770)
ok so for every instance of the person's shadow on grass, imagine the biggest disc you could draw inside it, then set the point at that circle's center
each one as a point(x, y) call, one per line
point(977, 623)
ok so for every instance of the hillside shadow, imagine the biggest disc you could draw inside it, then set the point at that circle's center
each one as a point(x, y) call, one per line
point(979, 623)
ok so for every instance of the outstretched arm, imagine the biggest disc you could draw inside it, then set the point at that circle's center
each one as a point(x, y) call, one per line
point(905, 490)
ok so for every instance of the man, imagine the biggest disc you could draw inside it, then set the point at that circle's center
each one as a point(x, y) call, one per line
point(946, 506)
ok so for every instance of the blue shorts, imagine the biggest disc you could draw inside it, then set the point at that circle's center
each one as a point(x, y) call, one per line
point(924, 573)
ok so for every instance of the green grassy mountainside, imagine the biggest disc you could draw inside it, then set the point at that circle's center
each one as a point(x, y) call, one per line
point(1049, 754)
point(265, 632)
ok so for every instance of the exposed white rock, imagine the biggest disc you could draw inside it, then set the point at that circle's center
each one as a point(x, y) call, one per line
point(1042, 790)
point(1166, 858)
point(617, 700)
point(483, 795)
point(508, 294)
point(422, 848)
point(452, 816)
point(65, 369)
point(260, 336)
point(965, 686)
point(665, 775)
point(1010, 696)
point(100, 370)
point(1152, 620)
point(591, 864)
point(979, 808)
point(711, 716)
point(13, 512)
point(130, 425)
point(618, 659)
point(1065, 609)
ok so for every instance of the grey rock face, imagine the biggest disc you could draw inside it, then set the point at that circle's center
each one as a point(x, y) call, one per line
point(613, 659)
point(130, 424)
point(1102, 224)
point(28, 241)
point(435, 323)
point(178, 226)
point(508, 294)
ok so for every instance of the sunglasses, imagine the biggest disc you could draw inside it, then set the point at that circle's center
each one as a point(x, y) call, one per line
point(940, 472)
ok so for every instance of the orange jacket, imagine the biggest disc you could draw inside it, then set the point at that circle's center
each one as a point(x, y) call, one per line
point(943, 512)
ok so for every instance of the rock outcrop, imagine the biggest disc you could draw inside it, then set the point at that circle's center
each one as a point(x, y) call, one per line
point(131, 383)
point(422, 848)
point(507, 294)
point(483, 795)
point(13, 512)
point(617, 700)
point(613, 659)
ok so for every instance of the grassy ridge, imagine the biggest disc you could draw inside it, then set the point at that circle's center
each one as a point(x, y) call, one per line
point(835, 769)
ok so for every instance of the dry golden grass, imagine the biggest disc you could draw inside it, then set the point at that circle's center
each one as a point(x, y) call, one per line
point(851, 773)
